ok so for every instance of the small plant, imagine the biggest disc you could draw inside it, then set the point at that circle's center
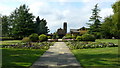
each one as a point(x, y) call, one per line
point(49, 37)
point(43, 37)
point(79, 38)
point(34, 37)
point(26, 39)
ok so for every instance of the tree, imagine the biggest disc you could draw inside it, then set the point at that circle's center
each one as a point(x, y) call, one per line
point(41, 27)
point(5, 25)
point(95, 27)
point(22, 22)
point(107, 27)
point(116, 19)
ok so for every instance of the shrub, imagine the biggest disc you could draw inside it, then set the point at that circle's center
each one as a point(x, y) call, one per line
point(88, 37)
point(79, 38)
point(26, 39)
point(43, 37)
point(68, 36)
point(49, 37)
point(74, 37)
point(55, 36)
point(34, 37)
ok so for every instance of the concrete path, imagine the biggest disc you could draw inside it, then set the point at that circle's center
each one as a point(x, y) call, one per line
point(58, 56)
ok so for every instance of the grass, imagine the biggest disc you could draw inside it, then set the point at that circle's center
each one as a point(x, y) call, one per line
point(98, 57)
point(108, 40)
point(19, 58)
point(8, 42)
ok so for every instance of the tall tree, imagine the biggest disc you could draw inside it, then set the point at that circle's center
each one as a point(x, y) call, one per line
point(22, 22)
point(116, 19)
point(107, 27)
point(5, 25)
point(41, 27)
point(95, 26)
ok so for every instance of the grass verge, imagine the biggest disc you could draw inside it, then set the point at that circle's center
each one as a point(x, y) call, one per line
point(108, 40)
point(20, 58)
point(98, 57)
point(9, 42)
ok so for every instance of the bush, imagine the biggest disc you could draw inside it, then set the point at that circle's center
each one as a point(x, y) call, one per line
point(49, 37)
point(67, 36)
point(79, 38)
point(43, 37)
point(26, 39)
point(34, 37)
point(88, 37)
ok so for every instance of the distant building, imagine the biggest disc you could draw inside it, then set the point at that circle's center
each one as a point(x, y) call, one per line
point(61, 32)
point(80, 31)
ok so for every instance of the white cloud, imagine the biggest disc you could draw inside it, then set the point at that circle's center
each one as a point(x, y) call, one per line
point(106, 12)
point(55, 16)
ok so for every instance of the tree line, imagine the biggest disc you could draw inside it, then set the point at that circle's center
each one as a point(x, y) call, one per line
point(20, 23)
point(110, 27)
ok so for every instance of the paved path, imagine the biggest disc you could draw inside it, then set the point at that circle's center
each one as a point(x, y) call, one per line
point(58, 56)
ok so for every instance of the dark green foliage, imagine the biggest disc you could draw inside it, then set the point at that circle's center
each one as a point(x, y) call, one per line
point(26, 39)
point(5, 25)
point(106, 27)
point(43, 37)
point(88, 37)
point(21, 22)
point(41, 27)
point(95, 26)
point(55, 36)
point(111, 24)
point(34, 37)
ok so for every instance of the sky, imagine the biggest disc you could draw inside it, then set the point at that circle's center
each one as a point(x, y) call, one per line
point(75, 12)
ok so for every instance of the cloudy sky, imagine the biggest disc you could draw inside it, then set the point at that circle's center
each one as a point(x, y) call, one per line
point(75, 12)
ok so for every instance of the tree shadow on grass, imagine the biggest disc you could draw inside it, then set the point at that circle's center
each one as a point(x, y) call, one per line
point(19, 58)
point(98, 60)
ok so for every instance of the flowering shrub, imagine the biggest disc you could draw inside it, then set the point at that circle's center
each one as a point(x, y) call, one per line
point(84, 45)
point(42, 45)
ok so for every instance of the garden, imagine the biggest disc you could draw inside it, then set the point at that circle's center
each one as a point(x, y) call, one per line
point(23, 53)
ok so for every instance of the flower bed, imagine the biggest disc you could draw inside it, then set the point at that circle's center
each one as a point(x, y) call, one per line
point(85, 45)
point(41, 45)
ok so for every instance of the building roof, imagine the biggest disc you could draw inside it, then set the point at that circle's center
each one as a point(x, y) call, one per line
point(74, 30)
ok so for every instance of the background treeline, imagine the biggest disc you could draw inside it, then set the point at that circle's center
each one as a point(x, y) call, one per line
point(20, 24)
point(110, 27)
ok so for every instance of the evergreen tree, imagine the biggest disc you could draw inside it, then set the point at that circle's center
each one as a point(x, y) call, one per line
point(95, 27)
point(22, 22)
point(41, 27)
point(5, 25)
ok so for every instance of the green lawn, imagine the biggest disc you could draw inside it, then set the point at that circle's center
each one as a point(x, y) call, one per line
point(108, 40)
point(19, 58)
point(98, 57)
point(8, 42)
